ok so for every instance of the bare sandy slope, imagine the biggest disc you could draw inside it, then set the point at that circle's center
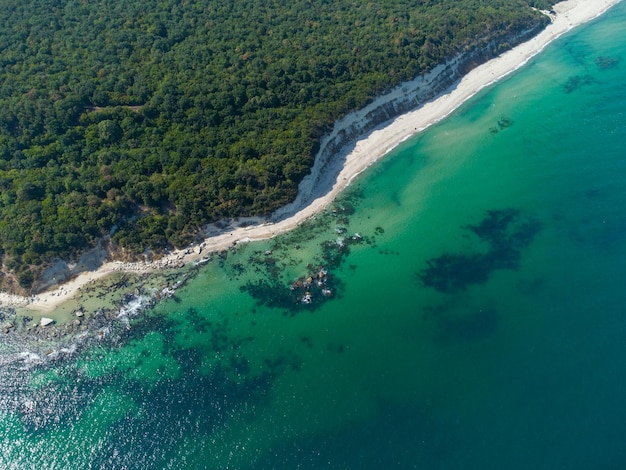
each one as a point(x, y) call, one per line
point(320, 188)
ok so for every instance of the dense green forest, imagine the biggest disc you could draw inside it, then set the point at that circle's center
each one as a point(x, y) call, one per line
point(148, 120)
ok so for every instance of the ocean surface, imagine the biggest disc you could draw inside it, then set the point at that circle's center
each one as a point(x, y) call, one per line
point(461, 306)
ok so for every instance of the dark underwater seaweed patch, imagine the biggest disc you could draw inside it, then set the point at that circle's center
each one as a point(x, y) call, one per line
point(270, 293)
point(305, 293)
point(494, 225)
point(310, 291)
point(344, 209)
point(576, 82)
point(505, 232)
point(606, 63)
point(454, 272)
point(503, 123)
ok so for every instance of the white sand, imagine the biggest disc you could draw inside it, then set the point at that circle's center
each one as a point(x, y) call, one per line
point(319, 189)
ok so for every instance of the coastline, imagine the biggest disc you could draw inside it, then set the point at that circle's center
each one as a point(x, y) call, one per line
point(328, 179)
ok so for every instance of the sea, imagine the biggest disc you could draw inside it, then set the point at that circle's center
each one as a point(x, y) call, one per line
point(462, 305)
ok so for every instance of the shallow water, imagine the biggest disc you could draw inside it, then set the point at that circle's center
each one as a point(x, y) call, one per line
point(476, 318)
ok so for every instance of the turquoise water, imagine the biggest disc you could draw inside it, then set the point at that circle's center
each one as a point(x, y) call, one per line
point(474, 315)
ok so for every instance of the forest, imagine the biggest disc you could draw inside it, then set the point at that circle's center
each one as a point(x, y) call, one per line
point(144, 120)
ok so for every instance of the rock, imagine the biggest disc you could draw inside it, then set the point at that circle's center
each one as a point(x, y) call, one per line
point(80, 313)
point(45, 321)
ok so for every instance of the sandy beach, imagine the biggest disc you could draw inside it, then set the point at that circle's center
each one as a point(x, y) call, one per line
point(318, 190)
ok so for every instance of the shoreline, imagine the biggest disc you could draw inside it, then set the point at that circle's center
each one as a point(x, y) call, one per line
point(327, 179)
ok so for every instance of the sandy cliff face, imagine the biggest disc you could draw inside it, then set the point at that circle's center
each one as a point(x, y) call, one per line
point(405, 97)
